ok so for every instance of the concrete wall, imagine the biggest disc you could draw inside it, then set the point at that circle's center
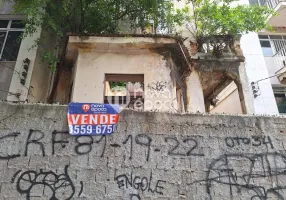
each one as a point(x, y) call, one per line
point(6, 73)
point(91, 67)
point(6, 8)
point(230, 105)
point(228, 101)
point(41, 74)
point(152, 156)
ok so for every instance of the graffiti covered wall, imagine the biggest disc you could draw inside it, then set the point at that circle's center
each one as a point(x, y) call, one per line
point(152, 156)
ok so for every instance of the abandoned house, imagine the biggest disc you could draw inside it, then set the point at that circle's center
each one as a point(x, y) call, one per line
point(156, 73)
point(138, 71)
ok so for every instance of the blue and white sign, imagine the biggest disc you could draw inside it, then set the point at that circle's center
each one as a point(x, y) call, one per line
point(92, 118)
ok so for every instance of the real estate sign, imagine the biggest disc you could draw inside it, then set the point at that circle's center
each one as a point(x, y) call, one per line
point(92, 118)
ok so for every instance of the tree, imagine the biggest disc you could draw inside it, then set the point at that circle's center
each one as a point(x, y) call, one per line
point(95, 16)
point(221, 17)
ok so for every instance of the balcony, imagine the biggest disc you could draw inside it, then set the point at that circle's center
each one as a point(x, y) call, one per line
point(271, 3)
point(280, 60)
point(219, 47)
point(280, 7)
point(218, 59)
point(282, 75)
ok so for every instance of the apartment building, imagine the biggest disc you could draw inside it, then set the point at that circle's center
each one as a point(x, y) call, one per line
point(273, 46)
point(23, 75)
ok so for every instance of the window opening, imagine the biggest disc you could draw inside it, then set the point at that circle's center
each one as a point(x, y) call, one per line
point(10, 39)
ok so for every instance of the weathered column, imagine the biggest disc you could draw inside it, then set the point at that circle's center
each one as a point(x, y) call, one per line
point(245, 90)
point(195, 96)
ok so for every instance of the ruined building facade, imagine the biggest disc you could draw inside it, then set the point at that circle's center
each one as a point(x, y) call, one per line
point(143, 72)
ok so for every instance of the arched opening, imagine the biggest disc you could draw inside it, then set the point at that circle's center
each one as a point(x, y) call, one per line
point(222, 92)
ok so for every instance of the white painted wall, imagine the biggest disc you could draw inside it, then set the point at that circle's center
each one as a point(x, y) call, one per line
point(92, 66)
point(256, 69)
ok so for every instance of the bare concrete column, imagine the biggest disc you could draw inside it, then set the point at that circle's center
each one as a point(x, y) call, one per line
point(195, 96)
point(245, 92)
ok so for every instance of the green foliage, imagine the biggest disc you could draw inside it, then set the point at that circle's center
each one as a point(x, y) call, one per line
point(97, 16)
point(117, 84)
point(221, 17)
point(50, 59)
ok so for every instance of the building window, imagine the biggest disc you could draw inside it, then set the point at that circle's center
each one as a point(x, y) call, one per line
point(269, 3)
point(161, 29)
point(257, 2)
point(280, 97)
point(273, 44)
point(126, 90)
point(266, 48)
point(10, 40)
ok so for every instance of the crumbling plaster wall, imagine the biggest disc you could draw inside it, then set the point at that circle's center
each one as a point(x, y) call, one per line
point(91, 67)
point(230, 70)
point(6, 73)
point(42, 74)
point(152, 156)
point(229, 105)
point(196, 102)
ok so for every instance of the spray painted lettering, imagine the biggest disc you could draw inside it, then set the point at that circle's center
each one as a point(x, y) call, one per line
point(263, 180)
point(255, 141)
point(46, 183)
point(83, 145)
point(142, 184)
point(158, 86)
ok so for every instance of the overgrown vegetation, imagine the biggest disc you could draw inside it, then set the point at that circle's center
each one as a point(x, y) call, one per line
point(209, 17)
point(222, 17)
point(117, 84)
point(96, 16)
